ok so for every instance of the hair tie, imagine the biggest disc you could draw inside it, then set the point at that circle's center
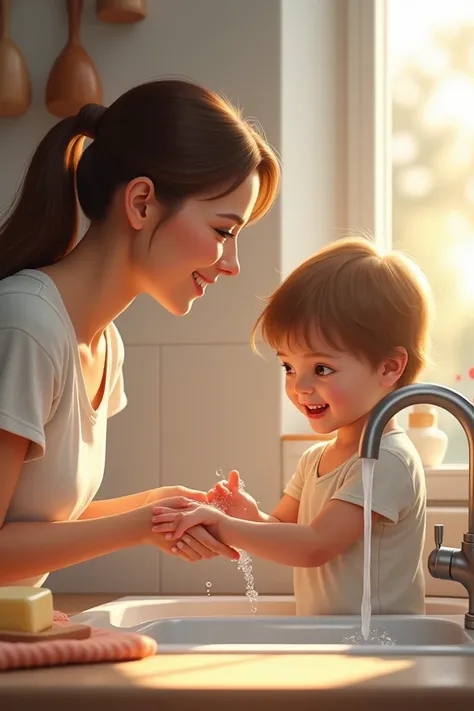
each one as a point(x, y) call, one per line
point(87, 120)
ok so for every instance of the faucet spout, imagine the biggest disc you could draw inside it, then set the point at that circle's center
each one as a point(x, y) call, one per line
point(444, 563)
point(421, 393)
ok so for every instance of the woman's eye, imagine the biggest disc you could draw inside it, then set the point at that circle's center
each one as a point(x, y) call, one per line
point(323, 370)
point(224, 235)
point(287, 368)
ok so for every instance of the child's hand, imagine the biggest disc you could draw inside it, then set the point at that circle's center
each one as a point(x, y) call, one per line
point(229, 497)
point(177, 515)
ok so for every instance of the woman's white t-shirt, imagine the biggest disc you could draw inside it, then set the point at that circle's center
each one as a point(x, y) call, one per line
point(43, 398)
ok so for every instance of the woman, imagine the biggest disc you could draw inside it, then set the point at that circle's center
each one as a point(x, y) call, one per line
point(172, 176)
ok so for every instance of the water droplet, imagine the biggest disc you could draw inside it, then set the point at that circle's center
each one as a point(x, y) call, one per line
point(219, 473)
point(208, 585)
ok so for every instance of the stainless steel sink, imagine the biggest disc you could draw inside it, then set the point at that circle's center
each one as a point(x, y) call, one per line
point(223, 624)
point(390, 635)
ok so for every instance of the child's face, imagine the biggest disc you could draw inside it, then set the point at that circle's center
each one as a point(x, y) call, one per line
point(334, 389)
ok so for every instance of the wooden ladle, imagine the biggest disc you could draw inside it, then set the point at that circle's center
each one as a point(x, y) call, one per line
point(74, 80)
point(125, 11)
point(15, 85)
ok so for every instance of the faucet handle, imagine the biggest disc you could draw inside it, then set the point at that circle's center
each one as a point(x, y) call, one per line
point(438, 534)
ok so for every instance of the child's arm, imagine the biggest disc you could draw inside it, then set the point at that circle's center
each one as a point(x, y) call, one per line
point(229, 497)
point(335, 530)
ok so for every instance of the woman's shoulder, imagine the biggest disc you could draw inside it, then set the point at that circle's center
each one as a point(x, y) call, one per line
point(28, 306)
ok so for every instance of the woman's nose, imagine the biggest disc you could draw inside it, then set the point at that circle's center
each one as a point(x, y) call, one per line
point(229, 262)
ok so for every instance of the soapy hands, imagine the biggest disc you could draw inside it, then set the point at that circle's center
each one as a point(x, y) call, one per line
point(229, 496)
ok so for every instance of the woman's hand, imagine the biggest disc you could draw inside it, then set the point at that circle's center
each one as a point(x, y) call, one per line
point(197, 544)
point(229, 497)
point(177, 515)
point(168, 492)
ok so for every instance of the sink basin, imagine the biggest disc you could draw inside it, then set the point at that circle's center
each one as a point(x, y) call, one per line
point(392, 634)
point(223, 624)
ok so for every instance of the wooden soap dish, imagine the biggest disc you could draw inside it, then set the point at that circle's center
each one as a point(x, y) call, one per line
point(60, 632)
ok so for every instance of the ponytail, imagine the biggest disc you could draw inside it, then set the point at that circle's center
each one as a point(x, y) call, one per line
point(41, 225)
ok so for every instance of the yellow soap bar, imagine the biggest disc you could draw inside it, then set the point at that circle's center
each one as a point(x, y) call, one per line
point(25, 609)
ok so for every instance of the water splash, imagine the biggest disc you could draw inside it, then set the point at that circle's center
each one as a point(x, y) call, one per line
point(379, 637)
point(244, 563)
point(208, 586)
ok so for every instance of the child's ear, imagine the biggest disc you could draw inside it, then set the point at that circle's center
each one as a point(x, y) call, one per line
point(393, 367)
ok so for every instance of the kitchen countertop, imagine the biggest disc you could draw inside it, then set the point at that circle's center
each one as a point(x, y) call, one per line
point(240, 681)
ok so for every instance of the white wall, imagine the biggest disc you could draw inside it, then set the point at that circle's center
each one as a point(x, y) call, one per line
point(199, 399)
point(313, 129)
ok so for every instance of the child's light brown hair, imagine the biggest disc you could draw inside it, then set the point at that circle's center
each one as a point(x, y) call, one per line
point(359, 300)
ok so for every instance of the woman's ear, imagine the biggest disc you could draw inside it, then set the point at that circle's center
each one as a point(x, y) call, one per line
point(393, 367)
point(139, 203)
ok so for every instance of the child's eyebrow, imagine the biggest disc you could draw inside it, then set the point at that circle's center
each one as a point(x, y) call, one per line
point(309, 354)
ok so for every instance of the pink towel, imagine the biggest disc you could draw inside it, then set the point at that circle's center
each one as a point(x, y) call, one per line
point(101, 646)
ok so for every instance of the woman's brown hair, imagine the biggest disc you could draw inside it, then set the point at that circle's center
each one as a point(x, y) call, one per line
point(359, 300)
point(183, 137)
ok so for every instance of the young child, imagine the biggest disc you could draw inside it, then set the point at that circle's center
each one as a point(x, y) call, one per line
point(349, 326)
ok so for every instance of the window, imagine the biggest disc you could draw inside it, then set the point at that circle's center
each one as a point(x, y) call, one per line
point(431, 75)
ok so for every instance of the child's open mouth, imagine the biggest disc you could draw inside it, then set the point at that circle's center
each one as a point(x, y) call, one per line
point(315, 411)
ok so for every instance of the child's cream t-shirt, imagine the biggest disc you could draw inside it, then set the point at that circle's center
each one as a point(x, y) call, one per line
point(43, 398)
point(399, 495)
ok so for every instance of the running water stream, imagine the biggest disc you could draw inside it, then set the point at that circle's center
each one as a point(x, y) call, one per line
point(374, 636)
point(368, 466)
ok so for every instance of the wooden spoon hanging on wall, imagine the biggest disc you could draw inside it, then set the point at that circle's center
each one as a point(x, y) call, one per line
point(15, 85)
point(121, 10)
point(74, 79)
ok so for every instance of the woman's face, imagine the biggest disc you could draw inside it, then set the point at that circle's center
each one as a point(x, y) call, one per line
point(190, 250)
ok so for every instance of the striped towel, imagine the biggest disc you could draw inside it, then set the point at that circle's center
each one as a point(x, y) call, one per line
point(101, 646)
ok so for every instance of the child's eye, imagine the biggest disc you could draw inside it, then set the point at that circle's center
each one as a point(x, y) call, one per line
point(287, 368)
point(323, 370)
point(224, 235)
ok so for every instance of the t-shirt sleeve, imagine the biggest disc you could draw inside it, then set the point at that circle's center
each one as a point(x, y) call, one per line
point(392, 493)
point(28, 385)
point(294, 488)
point(117, 396)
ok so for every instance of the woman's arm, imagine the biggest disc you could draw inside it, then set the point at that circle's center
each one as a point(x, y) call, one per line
point(122, 504)
point(31, 549)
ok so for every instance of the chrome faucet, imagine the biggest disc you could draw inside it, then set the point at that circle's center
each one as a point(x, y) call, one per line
point(445, 563)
